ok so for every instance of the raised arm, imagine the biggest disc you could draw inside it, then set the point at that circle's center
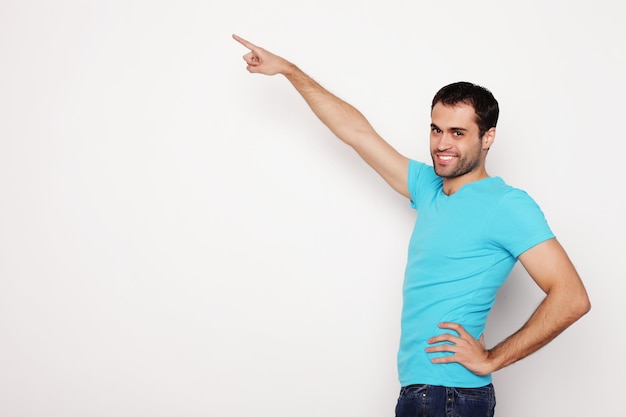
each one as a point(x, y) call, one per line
point(345, 121)
point(566, 301)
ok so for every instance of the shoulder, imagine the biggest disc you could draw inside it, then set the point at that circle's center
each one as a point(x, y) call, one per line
point(512, 197)
point(517, 208)
point(511, 205)
point(422, 181)
point(421, 172)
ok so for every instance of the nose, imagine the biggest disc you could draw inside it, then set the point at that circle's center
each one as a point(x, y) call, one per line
point(444, 142)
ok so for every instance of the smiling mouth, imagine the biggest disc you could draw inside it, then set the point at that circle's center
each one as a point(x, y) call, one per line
point(446, 158)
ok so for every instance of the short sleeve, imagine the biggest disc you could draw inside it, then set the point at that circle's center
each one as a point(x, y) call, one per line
point(421, 182)
point(518, 223)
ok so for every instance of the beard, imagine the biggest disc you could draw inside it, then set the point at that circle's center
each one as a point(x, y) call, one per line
point(464, 165)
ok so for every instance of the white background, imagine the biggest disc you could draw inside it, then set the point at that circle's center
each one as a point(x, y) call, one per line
point(181, 238)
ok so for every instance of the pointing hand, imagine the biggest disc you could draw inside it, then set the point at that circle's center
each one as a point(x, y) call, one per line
point(261, 61)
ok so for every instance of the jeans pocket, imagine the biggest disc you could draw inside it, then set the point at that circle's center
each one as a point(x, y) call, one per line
point(412, 401)
point(485, 393)
point(475, 402)
point(414, 391)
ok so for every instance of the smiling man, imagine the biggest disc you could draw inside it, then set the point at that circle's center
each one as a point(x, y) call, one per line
point(455, 116)
point(471, 230)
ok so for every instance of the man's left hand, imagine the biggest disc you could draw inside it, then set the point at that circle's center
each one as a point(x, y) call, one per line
point(466, 350)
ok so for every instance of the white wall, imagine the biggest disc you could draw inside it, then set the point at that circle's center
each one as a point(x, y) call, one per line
point(181, 238)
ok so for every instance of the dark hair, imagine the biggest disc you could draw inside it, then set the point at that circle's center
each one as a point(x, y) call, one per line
point(484, 103)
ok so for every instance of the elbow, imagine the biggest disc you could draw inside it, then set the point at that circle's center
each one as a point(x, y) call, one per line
point(574, 304)
point(585, 307)
point(580, 306)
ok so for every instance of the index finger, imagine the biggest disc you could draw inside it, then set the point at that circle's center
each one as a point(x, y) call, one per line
point(244, 42)
point(454, 326)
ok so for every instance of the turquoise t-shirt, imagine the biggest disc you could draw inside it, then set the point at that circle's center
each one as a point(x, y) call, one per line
point(462, 250)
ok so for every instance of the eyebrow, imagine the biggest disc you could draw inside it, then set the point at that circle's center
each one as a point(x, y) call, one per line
point(432, 125)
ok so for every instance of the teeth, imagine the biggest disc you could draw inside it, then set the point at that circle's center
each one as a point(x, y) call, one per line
point(445, 157)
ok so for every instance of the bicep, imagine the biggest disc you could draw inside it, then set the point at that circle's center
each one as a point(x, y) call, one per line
point(392, 166)
point(550, 267)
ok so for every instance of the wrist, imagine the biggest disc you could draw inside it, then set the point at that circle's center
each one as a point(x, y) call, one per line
point(289, 70)
point(492, 361)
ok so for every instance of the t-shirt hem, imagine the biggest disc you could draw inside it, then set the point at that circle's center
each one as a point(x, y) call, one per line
point(476, 383)
point(536, 242)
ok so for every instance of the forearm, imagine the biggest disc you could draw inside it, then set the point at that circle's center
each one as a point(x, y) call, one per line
point(557, 312)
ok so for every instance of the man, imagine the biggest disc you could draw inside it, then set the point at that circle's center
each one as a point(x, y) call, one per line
point(470, 231)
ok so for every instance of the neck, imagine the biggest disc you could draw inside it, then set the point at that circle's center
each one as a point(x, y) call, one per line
point(452, 185)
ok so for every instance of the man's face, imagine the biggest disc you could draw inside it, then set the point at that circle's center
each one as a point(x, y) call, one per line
point(455, 147)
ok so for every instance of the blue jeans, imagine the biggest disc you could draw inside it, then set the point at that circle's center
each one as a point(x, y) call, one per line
point(436, 401)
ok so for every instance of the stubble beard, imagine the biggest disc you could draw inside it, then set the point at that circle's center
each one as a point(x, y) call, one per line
point(464, 165)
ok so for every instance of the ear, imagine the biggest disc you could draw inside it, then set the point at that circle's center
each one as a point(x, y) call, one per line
point(488, 138)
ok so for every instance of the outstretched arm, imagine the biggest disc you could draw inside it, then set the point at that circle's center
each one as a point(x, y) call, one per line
point(345, 121)
point(566, 301)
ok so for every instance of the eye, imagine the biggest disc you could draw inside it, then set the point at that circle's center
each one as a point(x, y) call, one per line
point(435, 130)
point(458, 133)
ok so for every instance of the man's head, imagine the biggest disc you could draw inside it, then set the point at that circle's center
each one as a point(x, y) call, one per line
point(463, 120)
point(484, 103)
